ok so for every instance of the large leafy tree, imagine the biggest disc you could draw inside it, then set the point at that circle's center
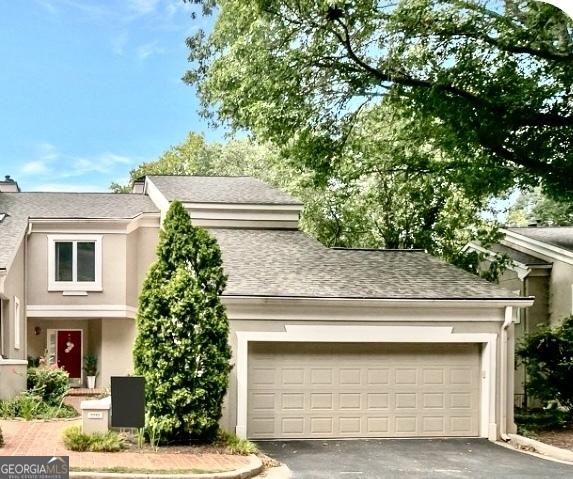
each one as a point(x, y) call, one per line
point(368, 200)
point(488, 82)
point(532, 206)
point(181, 348)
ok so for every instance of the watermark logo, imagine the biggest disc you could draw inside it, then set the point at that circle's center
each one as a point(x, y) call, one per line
point(34, 467)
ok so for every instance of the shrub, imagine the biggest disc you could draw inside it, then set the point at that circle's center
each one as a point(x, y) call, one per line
point(182, 347)
point(534, 420)
point(547, 355)
point(75, 440)
point(234, 444)
point(51, 384)
point(31, 406)
point(1, 438)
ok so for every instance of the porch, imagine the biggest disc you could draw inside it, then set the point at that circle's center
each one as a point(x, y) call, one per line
point(67, 341)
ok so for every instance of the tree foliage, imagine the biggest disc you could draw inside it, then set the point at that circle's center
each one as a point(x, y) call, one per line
point(532, 206)
point(548, 357)
point(368, 200)
point(488, 82)
point(182, 347)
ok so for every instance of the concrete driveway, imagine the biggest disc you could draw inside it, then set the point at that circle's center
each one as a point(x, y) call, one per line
point(419, 458)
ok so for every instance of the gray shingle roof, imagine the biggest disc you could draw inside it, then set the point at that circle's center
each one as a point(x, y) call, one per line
point(21, 206)
point(561, 236)
point(290, 263)
point(220, 189)
point(518, 256)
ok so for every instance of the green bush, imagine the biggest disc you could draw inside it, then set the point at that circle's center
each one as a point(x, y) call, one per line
point(182, 347)
point(534, 420)
point(31, 406)
point(51, 384)
point(75, 440)
point(234, 444)
point(547, 355)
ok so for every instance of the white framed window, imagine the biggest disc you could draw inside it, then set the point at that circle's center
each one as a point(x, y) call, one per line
point(74, 262)
point(17, 321)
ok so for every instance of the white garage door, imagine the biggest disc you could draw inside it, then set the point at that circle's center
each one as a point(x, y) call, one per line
point(330, 390)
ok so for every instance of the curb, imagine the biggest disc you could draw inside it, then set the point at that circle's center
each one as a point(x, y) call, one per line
point(254, 467)
point(551, 452)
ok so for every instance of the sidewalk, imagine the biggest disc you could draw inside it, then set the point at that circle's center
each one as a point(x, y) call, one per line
point(36, 438)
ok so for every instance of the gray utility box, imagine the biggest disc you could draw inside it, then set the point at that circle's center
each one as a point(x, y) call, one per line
point(127, 401)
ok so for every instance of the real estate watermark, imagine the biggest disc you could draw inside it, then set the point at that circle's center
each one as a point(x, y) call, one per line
point(34, 467)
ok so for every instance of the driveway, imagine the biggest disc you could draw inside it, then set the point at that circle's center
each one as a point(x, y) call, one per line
point(419, 458)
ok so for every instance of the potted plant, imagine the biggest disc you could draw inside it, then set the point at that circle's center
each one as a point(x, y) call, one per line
point(90, 368)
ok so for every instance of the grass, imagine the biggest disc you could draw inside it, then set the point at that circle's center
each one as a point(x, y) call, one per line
point(75, 440)
point(234, 444)
point(30, 406)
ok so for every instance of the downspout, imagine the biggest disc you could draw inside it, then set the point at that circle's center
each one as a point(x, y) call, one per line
point(503, 374)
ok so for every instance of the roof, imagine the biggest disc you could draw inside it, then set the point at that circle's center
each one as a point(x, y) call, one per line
point(560, 236)
point(290, 263)
point(519, 256)
point(221, 189)
point(21, 206)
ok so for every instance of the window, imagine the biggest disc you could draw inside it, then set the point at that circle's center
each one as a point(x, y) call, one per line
point(17, 320)
point(74, 263)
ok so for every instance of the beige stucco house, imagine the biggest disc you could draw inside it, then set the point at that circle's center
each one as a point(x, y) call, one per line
point(542, 267)
point(327, 343)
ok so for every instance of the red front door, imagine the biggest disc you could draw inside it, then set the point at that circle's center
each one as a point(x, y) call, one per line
point(69, 352)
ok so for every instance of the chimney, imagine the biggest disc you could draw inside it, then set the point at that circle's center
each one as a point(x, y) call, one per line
point(138, 186)
point(8, 185)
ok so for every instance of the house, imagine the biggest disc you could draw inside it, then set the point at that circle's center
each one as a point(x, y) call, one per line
point(327, 343)
point(541, 266)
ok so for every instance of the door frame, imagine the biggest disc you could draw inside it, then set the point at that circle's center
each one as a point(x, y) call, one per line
point(73, 381)
point(375, 334)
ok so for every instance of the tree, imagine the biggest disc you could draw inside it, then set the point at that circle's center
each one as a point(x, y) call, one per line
point(182, 347)
point(532, 206)
point(488, 82)
point(547, 355)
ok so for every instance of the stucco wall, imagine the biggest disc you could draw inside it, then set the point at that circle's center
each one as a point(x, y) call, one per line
point(141, 246)
point(14, 286)
point(117, 338)
point(561, 301)
point(114, 274)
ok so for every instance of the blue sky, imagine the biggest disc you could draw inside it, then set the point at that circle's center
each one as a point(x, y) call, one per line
point(89, 89)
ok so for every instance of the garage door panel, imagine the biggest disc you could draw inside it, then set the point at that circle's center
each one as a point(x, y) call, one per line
point(358, 390)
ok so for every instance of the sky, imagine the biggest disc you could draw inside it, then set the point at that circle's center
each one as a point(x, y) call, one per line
point(90, 89)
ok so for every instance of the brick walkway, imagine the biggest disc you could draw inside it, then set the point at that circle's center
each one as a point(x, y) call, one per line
point(36, 438)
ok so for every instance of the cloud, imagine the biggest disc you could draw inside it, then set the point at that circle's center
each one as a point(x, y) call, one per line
point(36, 167)
point(143, 7)
point(146, 50)
point(52, 164)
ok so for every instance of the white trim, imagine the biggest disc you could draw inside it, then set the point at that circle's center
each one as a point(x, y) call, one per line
point(554, 252)
point(17, 322)
point(344, 309)
point(378, 334)
point(74, 285)
point(522, 270)
point(156, 196)
point(93, 225)
point(81, 311)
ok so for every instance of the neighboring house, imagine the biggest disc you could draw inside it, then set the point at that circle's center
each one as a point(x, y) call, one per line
point(542, 267)
point(327, 343)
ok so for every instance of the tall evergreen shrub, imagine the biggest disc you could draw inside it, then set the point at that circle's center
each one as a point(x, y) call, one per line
point(182, 345)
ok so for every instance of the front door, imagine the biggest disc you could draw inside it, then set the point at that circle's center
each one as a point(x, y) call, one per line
point(69, 352)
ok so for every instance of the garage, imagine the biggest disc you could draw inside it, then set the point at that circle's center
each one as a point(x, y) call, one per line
point(343, 390)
